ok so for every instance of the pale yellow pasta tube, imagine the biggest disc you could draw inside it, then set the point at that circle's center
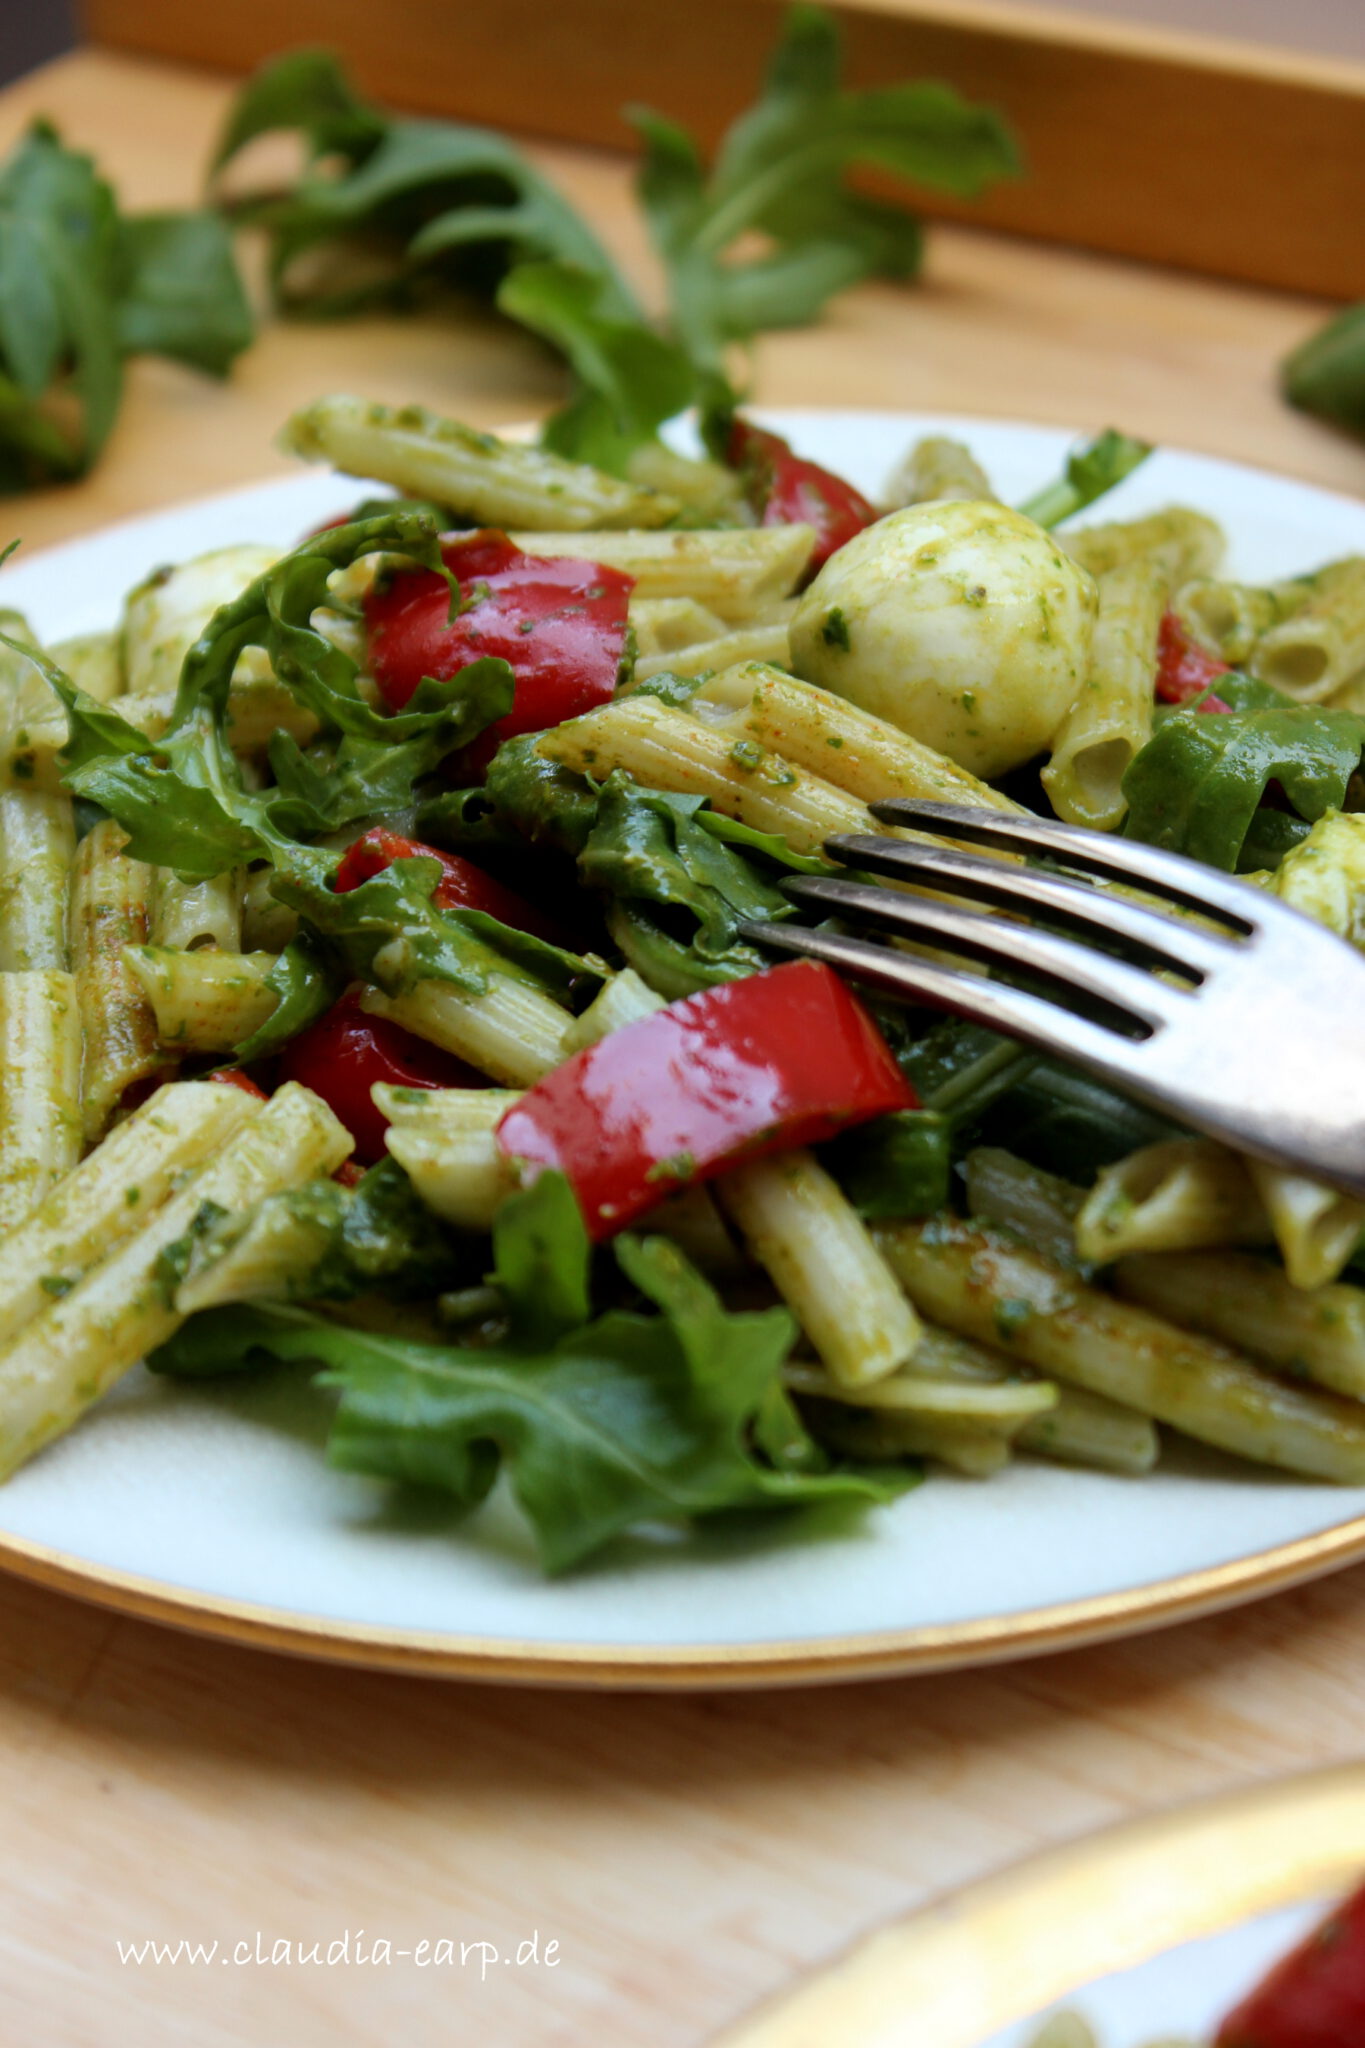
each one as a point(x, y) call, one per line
point(94, 662)
point(113, 1192)
point(25, 693)
point(512, 1032)
point(1316, 1227)
point(40, 1078)
point(267, 924)
point(998, 1404)
point(742, 643)
point(492, 482)
point(187, 915)
point(31, 757)
point(820, 1256)
point(1111, 720)
point(999, 1293)
point(877, 1436)
point(935, 468)
point(204, 1001)
point(37, 847)
point(1188, 543)
point(664, 625)
point(1321, 646)
point(1040, 1207)
point(166, 614)
point(62, 1361)
point(666, 749)
point(1173, 1196)
point(110, 904)
point(734, 570)
point(1230, 618)
point(458, 1172)
point(1318, 1332)
point(831, 738)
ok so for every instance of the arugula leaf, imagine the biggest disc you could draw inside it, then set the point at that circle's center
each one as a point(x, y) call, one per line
point(897, 1165)
point(601, 1425)
point(1197, 785)
point(306, 984)
point(1326, 374)
point(81, 286)
point(1090, 471)
point(305, 90)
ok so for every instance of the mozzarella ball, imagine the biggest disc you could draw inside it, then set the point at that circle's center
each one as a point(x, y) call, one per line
point(961, 622)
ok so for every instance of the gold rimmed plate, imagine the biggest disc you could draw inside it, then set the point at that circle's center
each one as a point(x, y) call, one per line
point(212, 1507)
point(1153, 1930)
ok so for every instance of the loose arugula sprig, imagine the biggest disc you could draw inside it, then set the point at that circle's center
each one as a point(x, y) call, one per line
point(82, 286)
point(449, 205)
point(1326, 374)
point(602, 1423)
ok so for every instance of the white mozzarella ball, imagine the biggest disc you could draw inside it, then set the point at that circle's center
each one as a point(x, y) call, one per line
point(961, 622)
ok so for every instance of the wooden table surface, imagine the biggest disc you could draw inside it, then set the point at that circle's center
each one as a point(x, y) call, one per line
point(687, 1855)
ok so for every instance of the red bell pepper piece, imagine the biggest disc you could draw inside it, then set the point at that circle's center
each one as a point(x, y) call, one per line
point(786, 490)
point(343, 1055)
point(233, 1077)
point(1185, 670)
point(560, 623)
point(779, 1059)
point(1315, 1997)
point(462, 885)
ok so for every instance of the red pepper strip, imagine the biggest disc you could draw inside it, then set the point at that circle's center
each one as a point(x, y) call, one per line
point(233, 1077)
point(1315, 1998)
point(1185, 669)
point(560, 623)
point(779, 1059)
point(462, 885)
point(786, 490)
point(343, 1055)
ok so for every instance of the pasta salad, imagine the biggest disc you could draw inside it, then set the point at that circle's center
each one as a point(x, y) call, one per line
point(376, 998)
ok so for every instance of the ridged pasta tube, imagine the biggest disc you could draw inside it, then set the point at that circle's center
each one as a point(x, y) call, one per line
point(830, 737)
point(1321, 647)
point(1111, 720)
point(188, 915)
point(40, 1078)
point(37, 848)
point(62, 1361)
point(512, 1032)
point(204, 1001)
point(1174, 1196)
point(820, 1256)
point(734, 570)
point(998, 1293)
point(94, 662)
point(1231, 617)
point(666, 749)
point(113, 1192)
point(664, 625)
point(166, 614)
point(25, 693)
point(1318, 1332)
point(1188, 543)
point(1317, 1228)
point(256, 712)
point(1040, 1207)
point(936, 467)
point(110, 907)
point(742, 643)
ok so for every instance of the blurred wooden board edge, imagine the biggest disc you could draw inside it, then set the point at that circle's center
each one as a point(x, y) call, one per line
point(1225, 158)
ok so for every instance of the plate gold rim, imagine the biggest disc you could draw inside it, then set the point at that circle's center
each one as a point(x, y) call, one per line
point(951, 1974)
point(883, 1653)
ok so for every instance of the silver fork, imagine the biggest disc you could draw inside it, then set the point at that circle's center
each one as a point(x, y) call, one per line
point(1260, 1041)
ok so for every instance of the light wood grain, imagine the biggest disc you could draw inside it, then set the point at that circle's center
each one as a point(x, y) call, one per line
point(689, 1854)
point(1210, 154)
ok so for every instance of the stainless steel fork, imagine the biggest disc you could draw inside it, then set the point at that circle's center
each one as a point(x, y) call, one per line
point(1250, 1027)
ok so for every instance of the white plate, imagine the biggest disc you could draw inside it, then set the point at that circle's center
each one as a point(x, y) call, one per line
point(211, 1506)
point(1151, 1931)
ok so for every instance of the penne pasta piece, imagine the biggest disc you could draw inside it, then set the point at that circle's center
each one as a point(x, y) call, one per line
point(1317, 1333)
point(622, 999)
point(985, 1404)
point(190, 915)
point(25, 693)
point(742, 643)
point(1111, 720)
point(40, 1080)
point(1188, 543)
point(62, 1361)
point(256, 712)
point(512, 1032)
point(458, 1172)
point(110, 905)
point(830, 737)
point(204, 1001)
point(1316, 1228)
point(1229, 618)
point(998, 1293)
point(735, 570)
point(709, 490)
point(488, 481)
point(113, 1192)
point(665, 625)
point(166, 614)
point(936, 468)
point(666, 749)
point(94, 662)
point(273, 1253)
point(883, 1435)
point(37, 848)
point(1320, 648)
point(821, 1257)
point(1178, 1195)
point(434, 1111)
point(1040, 1207)
point(267, 924)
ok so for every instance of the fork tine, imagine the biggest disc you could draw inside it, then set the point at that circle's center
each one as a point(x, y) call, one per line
point(1164, 874)
point(1144, 934)
point(1137, 1004)
point(1009, 1010)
